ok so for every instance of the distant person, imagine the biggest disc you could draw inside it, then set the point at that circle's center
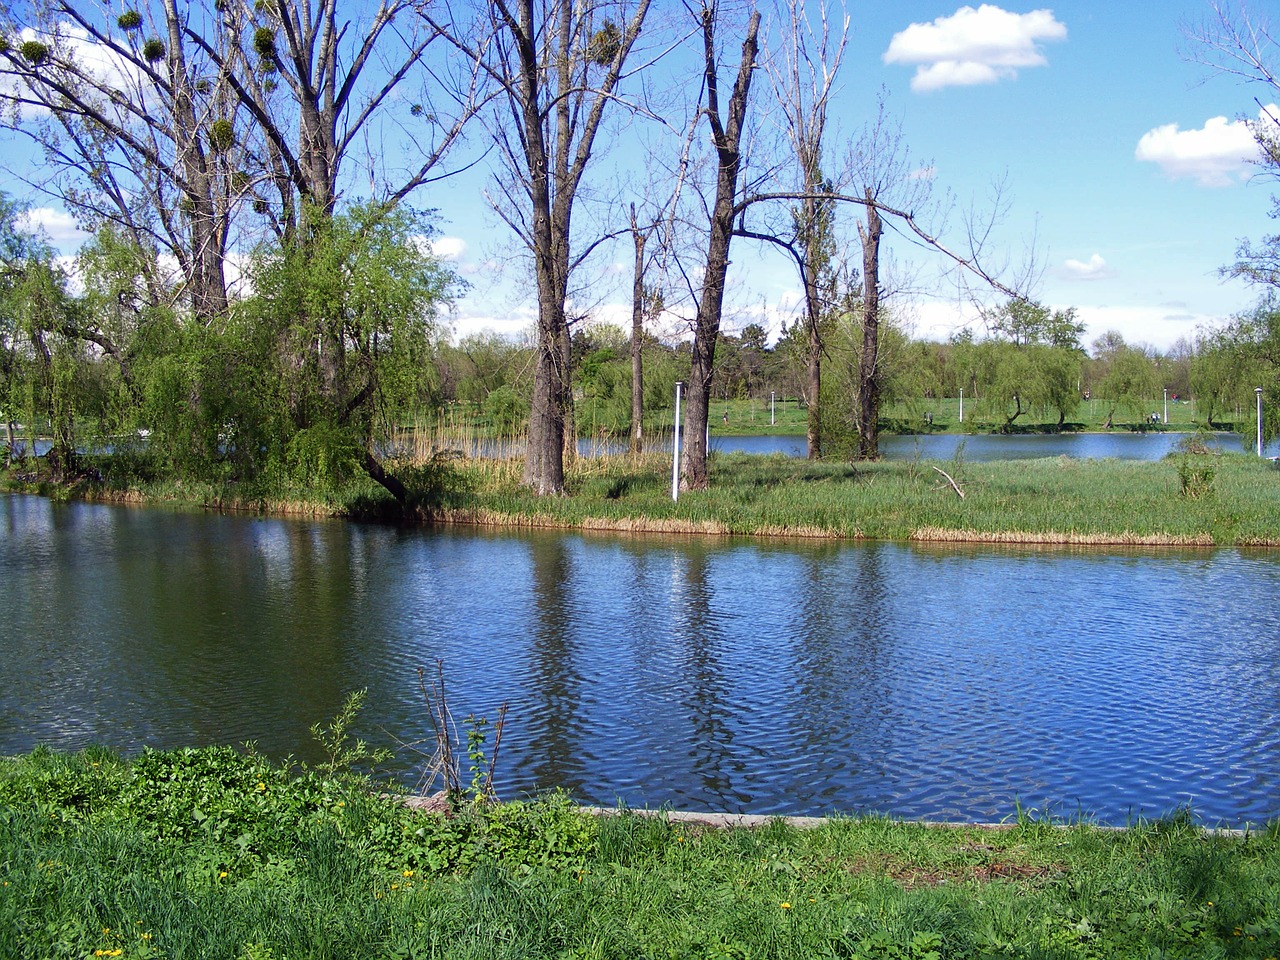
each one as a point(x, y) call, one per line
point(726, 417)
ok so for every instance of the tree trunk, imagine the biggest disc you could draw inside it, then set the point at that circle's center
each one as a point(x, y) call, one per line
point(570, 422)
point(814, 429)
point(637, 338)
point(869, 367)
point(726, 136)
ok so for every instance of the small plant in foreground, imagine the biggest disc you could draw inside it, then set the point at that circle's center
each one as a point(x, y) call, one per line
point(445, 763)
point(342, 753)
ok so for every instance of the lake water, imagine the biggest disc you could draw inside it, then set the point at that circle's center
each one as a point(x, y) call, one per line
point(984, 447)
point(1153, 445)
point(924, 682)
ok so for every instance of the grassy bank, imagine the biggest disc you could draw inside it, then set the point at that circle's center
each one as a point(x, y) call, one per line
point(214, 854)
point(1188, 499)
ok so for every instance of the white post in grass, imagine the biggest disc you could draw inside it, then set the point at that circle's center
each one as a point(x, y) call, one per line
point(1166, 406)
point(962, 404)
point(1258, 391)
point(772, 421)
point(675, 450)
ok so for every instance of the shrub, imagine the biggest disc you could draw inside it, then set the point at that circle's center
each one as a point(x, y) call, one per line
point(129, 20)
point(1196, 475)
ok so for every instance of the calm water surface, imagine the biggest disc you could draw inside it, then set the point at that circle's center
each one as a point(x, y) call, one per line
point(789, 678)
point(984, 447)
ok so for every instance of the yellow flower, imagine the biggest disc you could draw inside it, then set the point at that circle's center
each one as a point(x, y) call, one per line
point(786, 905)
point(222, 875)
point(145, 936)
point(261, 785)
point(407, 873)
point(395, 886)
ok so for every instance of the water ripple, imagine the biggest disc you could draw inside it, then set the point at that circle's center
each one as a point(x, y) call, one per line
point(920, 681)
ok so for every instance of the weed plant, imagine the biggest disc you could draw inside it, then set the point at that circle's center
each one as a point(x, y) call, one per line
point(214, 853)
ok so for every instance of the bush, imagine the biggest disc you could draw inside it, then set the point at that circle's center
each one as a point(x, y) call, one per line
point(1196, 476)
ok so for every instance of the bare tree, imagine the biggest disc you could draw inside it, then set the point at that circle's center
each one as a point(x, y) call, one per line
point(1239, 43)
point(726, 139)
point(171, 121)
point(804, 74)
point(879, 168)
point(556, 65)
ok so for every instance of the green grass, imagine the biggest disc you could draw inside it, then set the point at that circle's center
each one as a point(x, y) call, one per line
point(185, 855)
point(1192, 499)
point(1188, 499)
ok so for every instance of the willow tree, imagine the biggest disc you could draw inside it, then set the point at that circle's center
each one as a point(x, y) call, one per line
point(199, 132)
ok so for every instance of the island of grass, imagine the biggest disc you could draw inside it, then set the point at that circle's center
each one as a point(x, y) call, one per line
point(215, 853)
point(1197, 497)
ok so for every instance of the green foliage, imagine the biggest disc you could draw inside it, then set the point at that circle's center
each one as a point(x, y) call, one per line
point(35, 52)
point(506, 410)
point(264, 42)
point(153, 49)
point(222, 135)
point(1195, 475)
point(129, 20)
point(604, 44)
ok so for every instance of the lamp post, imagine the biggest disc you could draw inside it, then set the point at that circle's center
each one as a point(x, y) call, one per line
point(1258, 391)
point(675, 450)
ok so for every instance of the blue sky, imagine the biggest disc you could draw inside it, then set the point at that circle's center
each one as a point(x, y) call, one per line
point(1125, 169)
point(1067, 94)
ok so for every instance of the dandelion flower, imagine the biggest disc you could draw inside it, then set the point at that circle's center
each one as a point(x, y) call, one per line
point(407, 873)
point(786, 905)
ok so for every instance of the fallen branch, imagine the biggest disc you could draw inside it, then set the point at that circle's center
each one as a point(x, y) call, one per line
point(954, 486)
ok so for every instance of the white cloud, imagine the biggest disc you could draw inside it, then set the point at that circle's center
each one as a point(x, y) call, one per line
point(1095, 268)
point(923, 173)
point(973, 46)
point(57, 225)
point(448, 248)
point(1217, 155)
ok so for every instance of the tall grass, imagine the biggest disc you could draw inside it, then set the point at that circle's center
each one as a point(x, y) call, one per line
point(1057, 500)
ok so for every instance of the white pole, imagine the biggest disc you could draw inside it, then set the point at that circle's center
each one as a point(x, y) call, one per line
point(772, 421)
point(1166, 406)
point(1258, 391)
point(675, 451)
point(962, 404)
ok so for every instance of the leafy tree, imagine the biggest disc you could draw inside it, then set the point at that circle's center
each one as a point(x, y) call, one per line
point(1129, 384)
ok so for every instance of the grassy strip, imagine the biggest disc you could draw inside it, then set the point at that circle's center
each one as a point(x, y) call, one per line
point(1193, 500)
point(1189, 500)
point(213, 854)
